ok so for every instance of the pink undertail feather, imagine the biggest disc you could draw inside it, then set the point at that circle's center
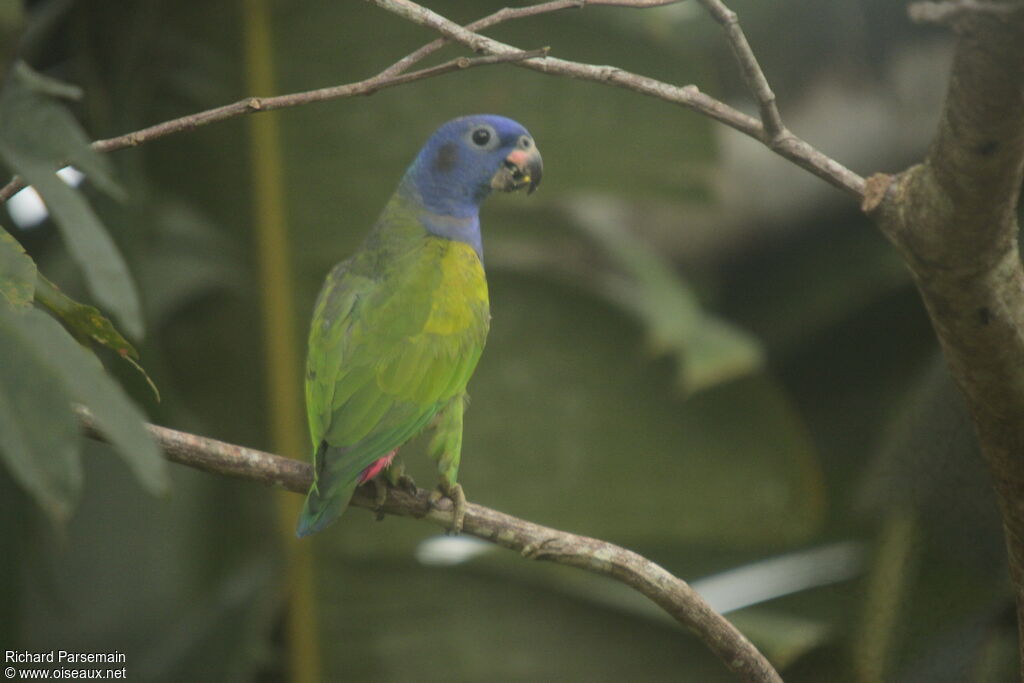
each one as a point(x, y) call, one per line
point(374, 469)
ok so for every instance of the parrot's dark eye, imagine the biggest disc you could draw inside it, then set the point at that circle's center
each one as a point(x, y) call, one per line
point(525, 142)
point(481, 136)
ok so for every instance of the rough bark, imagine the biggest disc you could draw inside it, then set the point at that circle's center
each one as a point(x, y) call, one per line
point(954, 219)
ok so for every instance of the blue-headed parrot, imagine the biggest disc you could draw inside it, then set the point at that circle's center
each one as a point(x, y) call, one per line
point(398, 328)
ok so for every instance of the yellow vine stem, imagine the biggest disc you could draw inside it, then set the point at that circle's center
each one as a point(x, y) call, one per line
point(284, 399)
point(888, 585)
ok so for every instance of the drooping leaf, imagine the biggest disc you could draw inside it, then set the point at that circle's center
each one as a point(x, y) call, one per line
point(56, 134)
point(708, 350)
point(38, 134)
point(17, 272)
point(105, 271)
point(20, 282)
point(45, 85)
point(87, 322)
point(12, 27)
point(82, 320)
point(716, 352)
point(38, 436)
point(88, 384)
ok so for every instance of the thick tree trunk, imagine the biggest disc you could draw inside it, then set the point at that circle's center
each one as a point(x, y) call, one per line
point(954, 219)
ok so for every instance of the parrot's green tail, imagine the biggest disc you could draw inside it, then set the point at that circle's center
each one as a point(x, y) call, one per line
point(320, 511)
point(325, 502)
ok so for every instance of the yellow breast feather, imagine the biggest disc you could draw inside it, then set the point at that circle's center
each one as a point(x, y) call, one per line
point(461, 296)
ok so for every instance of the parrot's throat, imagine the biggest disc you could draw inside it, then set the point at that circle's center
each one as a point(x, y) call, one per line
point(459, 229)
point(445, 216)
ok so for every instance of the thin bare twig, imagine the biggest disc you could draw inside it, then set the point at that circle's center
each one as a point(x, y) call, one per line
point(752, 72)
point(257, 104)
point(510, 13)
point(788, 146)
point(389, 77)
point(771, 132)
point(532, 541)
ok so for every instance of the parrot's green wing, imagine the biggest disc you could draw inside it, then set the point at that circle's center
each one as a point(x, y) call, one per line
point(387, 351)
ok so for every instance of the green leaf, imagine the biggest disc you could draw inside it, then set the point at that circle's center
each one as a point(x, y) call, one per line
point(716, 352)
point(12, 26)
point(82, 320)
point(708, 350)
point(20, 281)
point(44, 84)
point(38, 134)
point(87, 322)
point(17, 272)
point(38, 436)
point(115, 414)
point(54, 134)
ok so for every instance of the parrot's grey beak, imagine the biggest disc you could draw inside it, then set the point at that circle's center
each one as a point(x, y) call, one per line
point(521, 168)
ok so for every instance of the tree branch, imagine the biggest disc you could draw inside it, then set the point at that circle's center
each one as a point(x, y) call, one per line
point(771, 133)
point(532, 541)
point(510, 13)
point(389, 77)
point(953, 217)
point(770, 130)
point(250, 105)
point(752, 74)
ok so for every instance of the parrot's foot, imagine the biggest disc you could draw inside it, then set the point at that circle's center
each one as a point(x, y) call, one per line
point(382, 484)
point(397, 478)
point(391, 478)
point(455, 494)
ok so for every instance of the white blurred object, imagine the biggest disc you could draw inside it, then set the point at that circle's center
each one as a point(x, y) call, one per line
point(446, 551)
point(759, 582)
point(27, 208)
point(726, 591)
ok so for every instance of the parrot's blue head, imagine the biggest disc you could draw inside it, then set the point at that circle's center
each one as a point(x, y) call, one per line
point(467, 158)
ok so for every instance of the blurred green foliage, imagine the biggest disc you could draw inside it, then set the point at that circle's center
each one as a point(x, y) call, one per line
point(706, 371)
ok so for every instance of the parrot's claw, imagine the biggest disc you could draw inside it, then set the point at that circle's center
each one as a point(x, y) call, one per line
point(459, 514)
point(407, 484)
point(391, 478)
point(455, 494)
point(380, 490)
point(380, 487)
